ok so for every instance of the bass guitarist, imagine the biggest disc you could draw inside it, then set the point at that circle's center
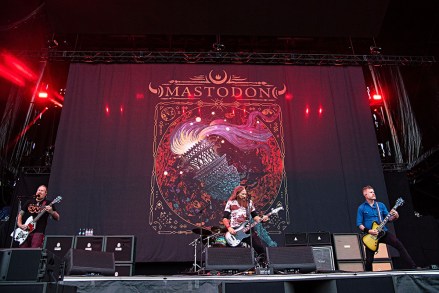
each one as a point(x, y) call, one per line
point(32, 208)
point(373, 211)
point(236, 212)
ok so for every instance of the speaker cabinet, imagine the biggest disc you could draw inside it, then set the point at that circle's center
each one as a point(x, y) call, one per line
point(89, 243)
point(351, 266)
point(319, 238)
point(20, 264)
point(324, 258)
point(229, 258)
point(59, 245)
point(347, 246)
point(299, 258)
point(82, 262)
point(123, 248)
point(381, 254)
point(383, 265)
point(124, 269)
point(296, 239)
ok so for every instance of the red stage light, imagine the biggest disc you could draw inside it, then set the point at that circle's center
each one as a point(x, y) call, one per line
point(288, 97)
point(377, 97)
point(43, 91)
point(307, 111)
point(22, 69)
point(320, 111)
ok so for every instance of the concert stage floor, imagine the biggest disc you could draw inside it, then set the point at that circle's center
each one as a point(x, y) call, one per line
point(337, 282)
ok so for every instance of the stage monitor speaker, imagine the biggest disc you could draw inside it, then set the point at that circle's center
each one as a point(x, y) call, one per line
point(382, 265)
point(229, 258)
point(59, 245)
point(296, 239)
point(82, 262)
point(298, 258)
point(123, 248)
point(324, 258)
point(319, 238)
point(351, 266)
point(89, 243)
point(20, 264)
point(124, 269)
point(347, 247)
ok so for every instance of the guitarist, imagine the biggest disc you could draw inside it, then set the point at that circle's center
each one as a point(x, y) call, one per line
point(32, 208)
point(373, 211)
point(236, 212)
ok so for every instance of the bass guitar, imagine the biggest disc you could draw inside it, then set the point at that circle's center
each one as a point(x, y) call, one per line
point(371, 241)
point(20, 234)
point(241, 231)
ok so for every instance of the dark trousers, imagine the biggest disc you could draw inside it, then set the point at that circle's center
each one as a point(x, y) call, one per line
point(33, 240)
point(391, 240)
point(255, 242)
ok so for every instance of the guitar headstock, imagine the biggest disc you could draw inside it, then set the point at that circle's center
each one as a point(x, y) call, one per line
point(276, 210)
point(399, 202)
point(56, 200)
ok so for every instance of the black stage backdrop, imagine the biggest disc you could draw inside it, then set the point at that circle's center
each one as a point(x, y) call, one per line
point(155, 150)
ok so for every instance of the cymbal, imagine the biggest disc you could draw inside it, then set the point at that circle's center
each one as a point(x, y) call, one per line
point(201, 231)
point(218, 229)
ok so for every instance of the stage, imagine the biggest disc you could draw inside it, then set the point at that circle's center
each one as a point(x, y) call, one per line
point(388, 281)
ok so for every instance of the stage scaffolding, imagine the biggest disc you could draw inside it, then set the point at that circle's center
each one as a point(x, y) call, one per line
point(214, 57)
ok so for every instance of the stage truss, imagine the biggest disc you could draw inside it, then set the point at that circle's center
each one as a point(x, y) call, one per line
point(214, 57)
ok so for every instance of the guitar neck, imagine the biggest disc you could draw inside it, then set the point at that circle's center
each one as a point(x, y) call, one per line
point(41, 213)
point(254, 224)
point(386, 219)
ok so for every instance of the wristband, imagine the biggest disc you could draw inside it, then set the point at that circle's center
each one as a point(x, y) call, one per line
point(365, 230)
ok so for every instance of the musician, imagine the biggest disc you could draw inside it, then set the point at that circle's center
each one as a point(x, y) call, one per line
point(32, 208)
point(373, 211)
point(236, 212)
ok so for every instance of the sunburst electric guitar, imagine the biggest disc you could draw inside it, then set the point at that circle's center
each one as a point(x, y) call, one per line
point(241, 231)
point(20, 234)
point(371, 241)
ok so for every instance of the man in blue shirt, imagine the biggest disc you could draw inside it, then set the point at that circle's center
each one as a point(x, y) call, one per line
point(373, 211)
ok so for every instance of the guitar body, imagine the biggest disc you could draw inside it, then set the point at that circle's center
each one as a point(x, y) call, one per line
point(371, 241)
point(234, 240)
point(20, 234)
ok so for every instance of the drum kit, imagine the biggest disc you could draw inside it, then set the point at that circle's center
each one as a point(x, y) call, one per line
point(207, 238)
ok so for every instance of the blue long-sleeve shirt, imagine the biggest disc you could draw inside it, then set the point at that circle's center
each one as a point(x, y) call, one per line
point(367, 214)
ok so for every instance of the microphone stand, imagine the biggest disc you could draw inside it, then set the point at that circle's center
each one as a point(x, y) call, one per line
point(16, 222)
point(249, 216)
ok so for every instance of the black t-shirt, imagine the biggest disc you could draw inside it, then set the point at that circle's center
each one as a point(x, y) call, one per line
point(33, 208)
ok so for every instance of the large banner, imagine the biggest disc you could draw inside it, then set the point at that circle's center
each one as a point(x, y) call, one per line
point(156, 150)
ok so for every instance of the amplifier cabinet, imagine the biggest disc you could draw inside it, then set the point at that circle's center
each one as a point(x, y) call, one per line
point(59, 244)
point(122, 246)
point(347, 246)
point(89, 243)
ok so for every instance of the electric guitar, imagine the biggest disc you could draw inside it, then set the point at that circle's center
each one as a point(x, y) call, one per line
point(371, 241)
point(241, 231)
point(20, 234)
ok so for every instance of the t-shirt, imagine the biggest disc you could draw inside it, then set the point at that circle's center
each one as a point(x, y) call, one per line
point(33, 208)
point(238, 214)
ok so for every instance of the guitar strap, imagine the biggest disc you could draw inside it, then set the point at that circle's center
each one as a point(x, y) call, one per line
point(379, 212)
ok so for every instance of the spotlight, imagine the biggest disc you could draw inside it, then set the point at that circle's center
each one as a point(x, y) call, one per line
point(52, 43)
point(374, 50)
point(218, 47)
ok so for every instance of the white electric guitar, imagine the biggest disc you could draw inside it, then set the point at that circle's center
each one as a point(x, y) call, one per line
point(241, 231)
point(20, 234)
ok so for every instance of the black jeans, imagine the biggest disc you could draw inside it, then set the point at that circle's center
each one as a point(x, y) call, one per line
point(256, 243)
point(391, 240)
